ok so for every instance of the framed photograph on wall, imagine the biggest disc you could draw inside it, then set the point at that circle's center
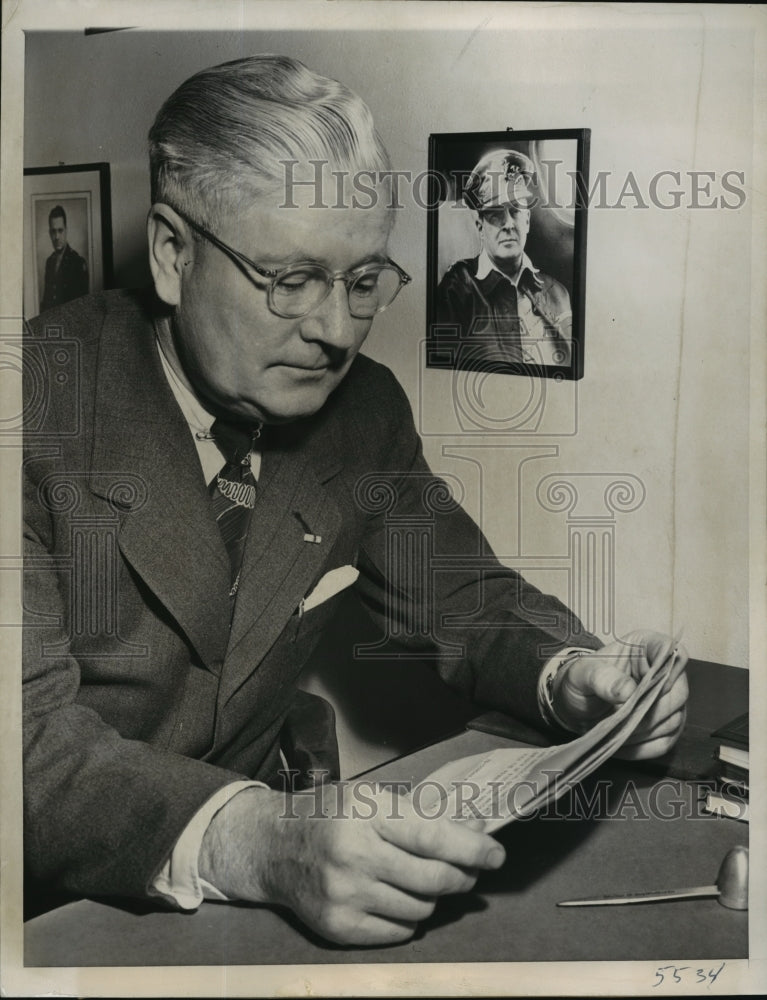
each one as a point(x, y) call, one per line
point(67, 234)
point(507, 252)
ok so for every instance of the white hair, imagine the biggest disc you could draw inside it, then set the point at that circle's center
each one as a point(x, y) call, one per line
point(233, 126)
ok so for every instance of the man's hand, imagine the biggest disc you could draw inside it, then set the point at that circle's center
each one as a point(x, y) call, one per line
point(595, 683)
point(357, 868)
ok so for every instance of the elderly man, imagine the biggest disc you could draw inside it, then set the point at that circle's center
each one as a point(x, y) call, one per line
point(499, 299)
point(186, 546)
point(66, 272)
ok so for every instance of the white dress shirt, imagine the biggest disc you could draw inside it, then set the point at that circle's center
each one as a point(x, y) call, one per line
point(179, 877)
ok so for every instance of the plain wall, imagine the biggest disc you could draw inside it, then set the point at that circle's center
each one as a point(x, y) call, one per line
point(665, 394)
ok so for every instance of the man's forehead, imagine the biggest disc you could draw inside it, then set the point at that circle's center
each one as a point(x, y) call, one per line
point(273, 230)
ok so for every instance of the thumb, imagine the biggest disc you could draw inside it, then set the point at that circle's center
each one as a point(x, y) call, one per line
point(473, 823)
point(610, 683)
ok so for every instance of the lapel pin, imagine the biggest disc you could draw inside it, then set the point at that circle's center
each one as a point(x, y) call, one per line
point(309, 535)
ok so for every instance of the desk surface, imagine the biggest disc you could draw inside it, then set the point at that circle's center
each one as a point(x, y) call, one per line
point(624, 845)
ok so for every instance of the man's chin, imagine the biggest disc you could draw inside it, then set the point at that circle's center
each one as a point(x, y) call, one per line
point(291, 405)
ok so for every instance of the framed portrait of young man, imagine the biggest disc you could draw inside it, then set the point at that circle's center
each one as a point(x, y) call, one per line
point(68, 234)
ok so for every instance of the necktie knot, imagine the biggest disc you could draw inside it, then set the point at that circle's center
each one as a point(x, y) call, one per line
point(234, 440)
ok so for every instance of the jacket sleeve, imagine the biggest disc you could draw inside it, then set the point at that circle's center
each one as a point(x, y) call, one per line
point(101, 812)
point(45, 302)
point(454, 305)
point(80, 278)
point(433, 583)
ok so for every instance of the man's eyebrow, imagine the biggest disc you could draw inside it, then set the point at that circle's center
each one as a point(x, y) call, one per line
point(372, 258)
point(277, 263)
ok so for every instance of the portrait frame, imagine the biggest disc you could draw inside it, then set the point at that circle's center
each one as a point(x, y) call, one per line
point(84, 192)
point(546, 346)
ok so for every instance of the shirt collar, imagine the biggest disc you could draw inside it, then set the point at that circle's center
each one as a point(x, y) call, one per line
point(485, 265)
point(195, 414)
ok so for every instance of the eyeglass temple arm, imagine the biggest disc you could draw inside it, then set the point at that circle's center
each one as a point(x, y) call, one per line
point(223, 247)
point(263, 271)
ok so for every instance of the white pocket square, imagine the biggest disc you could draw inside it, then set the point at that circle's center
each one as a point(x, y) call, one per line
point(332, 583)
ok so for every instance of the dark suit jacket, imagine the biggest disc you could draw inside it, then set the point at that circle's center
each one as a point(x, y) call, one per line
point(139, 699)
point(69, 282)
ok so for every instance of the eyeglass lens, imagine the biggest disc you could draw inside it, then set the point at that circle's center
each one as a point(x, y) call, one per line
point(303, 289)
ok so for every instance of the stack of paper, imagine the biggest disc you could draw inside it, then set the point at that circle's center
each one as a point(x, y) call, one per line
point(506, 784)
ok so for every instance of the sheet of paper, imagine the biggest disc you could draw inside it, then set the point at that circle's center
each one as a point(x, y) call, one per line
point(494, 785)
point(508, 783)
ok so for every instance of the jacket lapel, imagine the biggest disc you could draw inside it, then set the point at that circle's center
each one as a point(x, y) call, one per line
point(167, 532)
point(280, 565)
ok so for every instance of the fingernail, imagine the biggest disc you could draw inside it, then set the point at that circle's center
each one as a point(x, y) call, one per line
point(495, 857)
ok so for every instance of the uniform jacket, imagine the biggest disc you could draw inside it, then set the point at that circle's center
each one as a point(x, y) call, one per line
point(140, 700)
point(69, 282)
point(486, 312)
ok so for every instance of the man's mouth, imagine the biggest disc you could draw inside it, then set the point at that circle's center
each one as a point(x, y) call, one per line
point(308, 369)
point(330, 361)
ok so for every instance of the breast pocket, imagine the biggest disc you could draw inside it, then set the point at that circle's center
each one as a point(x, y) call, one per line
point(306, 624)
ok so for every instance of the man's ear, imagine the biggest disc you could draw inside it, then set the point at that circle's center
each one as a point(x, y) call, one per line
point(170, 251)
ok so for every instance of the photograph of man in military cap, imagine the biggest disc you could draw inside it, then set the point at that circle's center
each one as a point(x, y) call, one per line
point(511, 310)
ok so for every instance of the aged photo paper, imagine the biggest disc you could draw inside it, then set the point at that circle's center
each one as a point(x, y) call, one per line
point(635, 494)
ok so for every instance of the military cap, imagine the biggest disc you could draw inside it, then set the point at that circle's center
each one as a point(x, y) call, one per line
point(500, 177)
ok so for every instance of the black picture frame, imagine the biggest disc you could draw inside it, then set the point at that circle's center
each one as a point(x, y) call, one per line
point(83, 190)
point(466, 336)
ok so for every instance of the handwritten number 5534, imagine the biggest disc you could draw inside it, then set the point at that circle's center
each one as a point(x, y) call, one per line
point(673, 974)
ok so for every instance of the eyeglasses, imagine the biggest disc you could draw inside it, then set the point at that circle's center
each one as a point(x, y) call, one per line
point(497, 216)
point(294, 291)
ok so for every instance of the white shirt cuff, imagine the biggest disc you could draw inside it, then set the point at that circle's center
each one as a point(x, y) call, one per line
point(546, 683)
point(179, 878)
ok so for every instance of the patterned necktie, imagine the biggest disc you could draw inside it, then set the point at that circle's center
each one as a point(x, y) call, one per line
point(234, 491)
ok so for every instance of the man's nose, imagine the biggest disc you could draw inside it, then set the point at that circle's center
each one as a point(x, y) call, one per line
point(331, 322)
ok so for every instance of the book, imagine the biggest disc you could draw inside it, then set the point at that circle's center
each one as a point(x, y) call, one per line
point(733, 788)
point(734, 733)
point(731, 797)
point(733, 742)
point(733, 773)
point(511, 783)
point(733, 756)
point(727, 805)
